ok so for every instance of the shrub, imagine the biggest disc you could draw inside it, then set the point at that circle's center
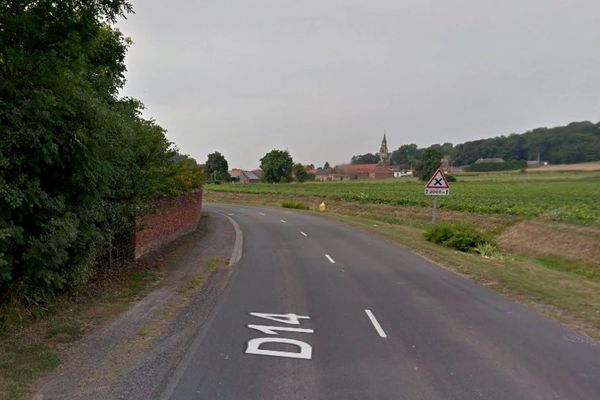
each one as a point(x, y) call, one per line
point(487, 250)
point(463, 237)
point(501, 166)
point(450, 178)
point(297, 206)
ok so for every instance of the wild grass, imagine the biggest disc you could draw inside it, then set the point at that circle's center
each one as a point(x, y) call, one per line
point(295, 205)
point(31, 342)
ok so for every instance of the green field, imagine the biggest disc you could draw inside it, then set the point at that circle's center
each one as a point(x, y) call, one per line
point(572, 197)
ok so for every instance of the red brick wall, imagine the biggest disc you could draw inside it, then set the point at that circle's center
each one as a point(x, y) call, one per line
point(169, 219)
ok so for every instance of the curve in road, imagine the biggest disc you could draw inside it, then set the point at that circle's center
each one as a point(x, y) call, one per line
point(320, 310)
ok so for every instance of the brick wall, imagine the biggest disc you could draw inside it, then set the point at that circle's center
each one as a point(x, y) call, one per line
point(169, 219)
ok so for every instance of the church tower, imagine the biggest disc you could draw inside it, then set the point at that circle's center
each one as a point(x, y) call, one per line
point(384, 155)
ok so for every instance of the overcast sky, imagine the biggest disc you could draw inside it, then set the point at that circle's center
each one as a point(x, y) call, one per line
point(325, 78)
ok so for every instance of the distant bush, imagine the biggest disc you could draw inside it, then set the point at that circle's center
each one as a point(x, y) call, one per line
point(463, 237)
point(450, 178)
point(501, 166)
point(297, 206)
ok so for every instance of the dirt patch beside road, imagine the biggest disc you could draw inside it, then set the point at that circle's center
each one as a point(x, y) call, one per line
point(130, 356)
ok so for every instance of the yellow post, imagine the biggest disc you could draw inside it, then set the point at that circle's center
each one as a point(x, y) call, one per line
point(322, 207)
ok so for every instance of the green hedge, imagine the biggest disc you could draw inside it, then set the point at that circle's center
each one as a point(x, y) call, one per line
point(502, 166)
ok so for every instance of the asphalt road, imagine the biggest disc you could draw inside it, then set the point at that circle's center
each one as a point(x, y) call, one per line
point(369, 320)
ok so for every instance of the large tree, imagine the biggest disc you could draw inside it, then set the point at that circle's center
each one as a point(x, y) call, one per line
point(216, 167)
point(276, 166)
point(300, 173)
point(368, 158)
point(76, 161)
point(429, 163)
point(406, 156)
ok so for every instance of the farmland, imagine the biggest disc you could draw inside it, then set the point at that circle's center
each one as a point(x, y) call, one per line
point(570, 197)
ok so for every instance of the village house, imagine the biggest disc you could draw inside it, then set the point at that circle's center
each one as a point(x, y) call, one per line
point(381, 170)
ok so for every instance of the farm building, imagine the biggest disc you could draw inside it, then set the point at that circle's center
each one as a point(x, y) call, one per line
point(354, 171)
point(242, 176)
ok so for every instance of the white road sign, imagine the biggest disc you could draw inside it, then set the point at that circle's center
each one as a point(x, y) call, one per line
point(437, 185)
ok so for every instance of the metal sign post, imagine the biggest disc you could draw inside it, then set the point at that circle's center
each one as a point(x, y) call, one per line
point(437, 186)
point(434, 212)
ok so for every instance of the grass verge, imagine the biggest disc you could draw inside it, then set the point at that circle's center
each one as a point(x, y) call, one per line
point(196, 282)
point(295, 205)
point(29, 348)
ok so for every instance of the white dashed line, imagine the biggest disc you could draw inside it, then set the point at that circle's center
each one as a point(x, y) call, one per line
point(284, 221)
point(330, 259)
point(230, 214)
point(262, 213)
point(303, 234)
point(375, 324)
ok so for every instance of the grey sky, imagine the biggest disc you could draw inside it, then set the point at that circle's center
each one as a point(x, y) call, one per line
point(324, 78)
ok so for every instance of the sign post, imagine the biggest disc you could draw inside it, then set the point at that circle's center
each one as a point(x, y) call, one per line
point(437, 186)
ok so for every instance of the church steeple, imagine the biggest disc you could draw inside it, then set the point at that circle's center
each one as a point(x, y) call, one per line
point(384, 154)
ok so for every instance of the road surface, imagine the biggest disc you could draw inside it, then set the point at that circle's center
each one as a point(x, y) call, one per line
point(320, 310)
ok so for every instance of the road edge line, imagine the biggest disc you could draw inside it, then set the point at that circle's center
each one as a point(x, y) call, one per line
point(170, 383)
point(236, 254)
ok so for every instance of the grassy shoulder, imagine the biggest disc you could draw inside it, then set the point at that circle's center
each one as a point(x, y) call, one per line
point(32, 346)
point(564, 288)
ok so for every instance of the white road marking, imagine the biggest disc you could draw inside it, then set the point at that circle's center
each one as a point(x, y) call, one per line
point(254, 348)
point(284, 221)
point(230, 214)
point(303, 234)
point(375, 324)
point(329, 258)
point(288, 212)
point(304, 350)
point(262, 213)
point(272, 330)
point(290, 318)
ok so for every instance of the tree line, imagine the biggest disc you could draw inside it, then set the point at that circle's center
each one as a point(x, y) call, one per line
point(277, 166)
point(572, 143)
point(77, 162)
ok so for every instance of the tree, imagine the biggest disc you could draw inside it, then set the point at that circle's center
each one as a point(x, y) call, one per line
point(368, 158)
point(429, 163)
point(406, 156)
point(216, 167)
point(77, 162)
point(300, 172)
point(277, 166)
point(326, 165)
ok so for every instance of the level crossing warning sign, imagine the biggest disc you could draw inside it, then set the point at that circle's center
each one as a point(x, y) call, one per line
point(437, 185)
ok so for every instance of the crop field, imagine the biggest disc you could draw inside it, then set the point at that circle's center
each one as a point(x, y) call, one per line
point(572, 197)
